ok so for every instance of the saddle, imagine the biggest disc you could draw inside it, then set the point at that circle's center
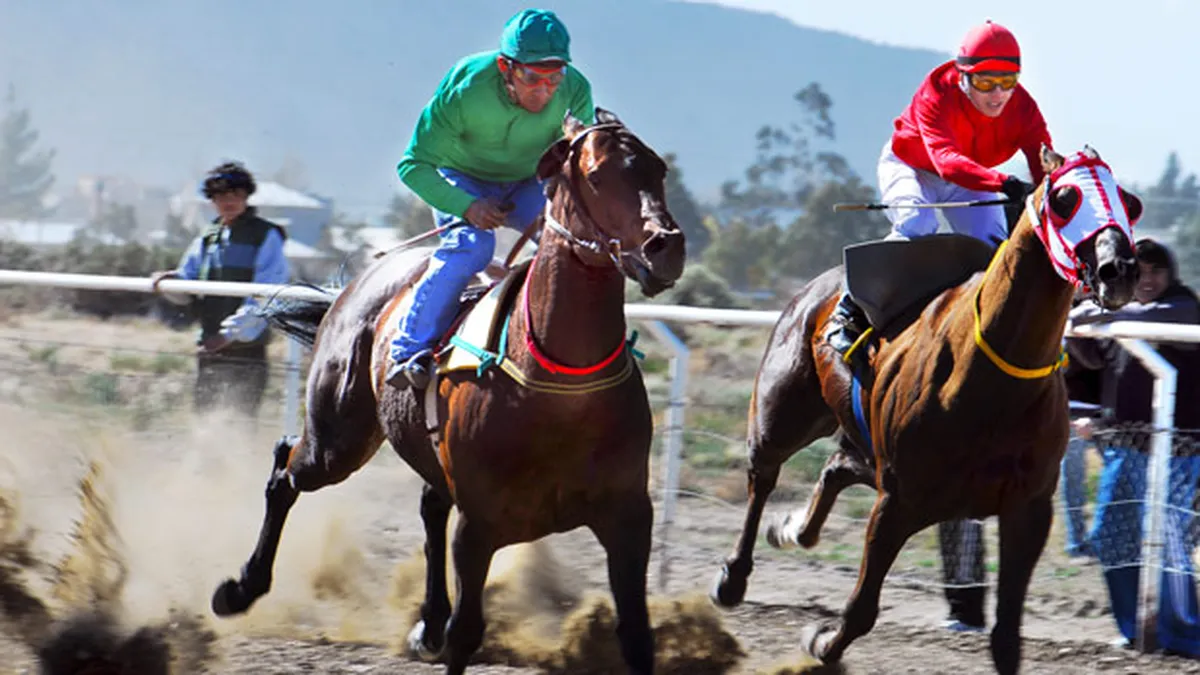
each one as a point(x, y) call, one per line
point(893, 280)
point(482, 311)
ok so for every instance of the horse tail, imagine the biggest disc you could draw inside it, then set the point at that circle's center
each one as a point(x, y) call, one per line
point(299, 319)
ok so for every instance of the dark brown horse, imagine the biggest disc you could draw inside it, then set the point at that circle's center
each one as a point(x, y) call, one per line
point(967, 411)
point(568, 448)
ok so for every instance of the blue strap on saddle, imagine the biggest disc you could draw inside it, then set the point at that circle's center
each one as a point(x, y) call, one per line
point(860, 417)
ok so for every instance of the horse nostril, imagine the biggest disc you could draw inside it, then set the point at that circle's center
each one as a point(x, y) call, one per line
point(654, 245)
point(1109, 271)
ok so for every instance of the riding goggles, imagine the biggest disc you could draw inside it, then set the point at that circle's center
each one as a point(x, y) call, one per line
point(987, 83)
point(532, 76)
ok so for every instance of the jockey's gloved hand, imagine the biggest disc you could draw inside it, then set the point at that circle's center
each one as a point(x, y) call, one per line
point(1016, 189)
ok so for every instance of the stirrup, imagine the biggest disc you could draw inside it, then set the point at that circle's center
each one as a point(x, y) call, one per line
point(416, 371)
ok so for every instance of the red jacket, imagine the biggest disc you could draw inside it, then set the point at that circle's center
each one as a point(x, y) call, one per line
point(942, 132)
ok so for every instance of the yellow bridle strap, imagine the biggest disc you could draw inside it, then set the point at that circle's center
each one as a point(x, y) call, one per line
point(1008, 368)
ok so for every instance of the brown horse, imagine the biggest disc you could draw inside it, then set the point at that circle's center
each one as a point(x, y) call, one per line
point(967, 411)
point(568, 447)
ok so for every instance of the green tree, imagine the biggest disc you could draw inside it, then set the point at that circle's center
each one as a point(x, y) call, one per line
point(175, 234)
point(1174, 199)
point(684, 208)
point(779, 217)
point(813, 242)
point(743, 254)
point(25, 172)
point(788, 164)
point(116, 220)
point(1187, 250)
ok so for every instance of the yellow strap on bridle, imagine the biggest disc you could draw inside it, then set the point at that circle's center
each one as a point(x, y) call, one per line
point(1008, 368)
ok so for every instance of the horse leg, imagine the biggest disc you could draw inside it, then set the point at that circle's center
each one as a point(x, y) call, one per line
point(733, 577)
point(767, 449)
point(845, 467)
point(301, 465)
point(472, 550)
point(886, 533)
point(1023, 533)
point(626, 538)
point(236, 596)
point(429, 635)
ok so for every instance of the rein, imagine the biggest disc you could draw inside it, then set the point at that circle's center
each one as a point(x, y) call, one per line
point(613, 248)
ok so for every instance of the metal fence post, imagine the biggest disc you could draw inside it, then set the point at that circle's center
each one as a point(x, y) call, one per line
point(673, 446)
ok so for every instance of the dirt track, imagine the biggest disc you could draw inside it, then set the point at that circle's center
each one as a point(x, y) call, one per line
point(186, 519)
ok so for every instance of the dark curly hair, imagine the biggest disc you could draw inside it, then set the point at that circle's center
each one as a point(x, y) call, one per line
point(228, 177)
point(1159, 255)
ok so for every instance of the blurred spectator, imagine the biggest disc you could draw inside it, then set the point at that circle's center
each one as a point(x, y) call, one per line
point(1126, 394)
point(239, 246)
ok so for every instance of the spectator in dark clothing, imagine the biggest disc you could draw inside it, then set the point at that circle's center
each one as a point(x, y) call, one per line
point(231, 359)
point(1126, 394)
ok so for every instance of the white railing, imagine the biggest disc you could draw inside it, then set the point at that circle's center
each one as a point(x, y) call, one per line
point(1134, 336)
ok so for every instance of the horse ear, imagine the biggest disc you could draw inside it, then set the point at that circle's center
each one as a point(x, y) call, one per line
point(607, 117)
point(552, 160)
point(1133, 205)
point(572, 126)
point(1051, 160)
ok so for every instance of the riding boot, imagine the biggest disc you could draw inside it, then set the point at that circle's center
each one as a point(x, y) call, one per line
point(845, 325)
point(415, 372)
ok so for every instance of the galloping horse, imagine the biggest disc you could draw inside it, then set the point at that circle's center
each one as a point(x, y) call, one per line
point(967, 412)
point(556, 439)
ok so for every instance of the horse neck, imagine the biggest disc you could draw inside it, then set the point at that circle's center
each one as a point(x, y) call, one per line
point(576, 309)
point(1023, 304)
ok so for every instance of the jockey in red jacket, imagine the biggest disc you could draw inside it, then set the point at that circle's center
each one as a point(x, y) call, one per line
point(968, 116)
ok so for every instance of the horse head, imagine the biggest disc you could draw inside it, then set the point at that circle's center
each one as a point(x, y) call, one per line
point(1085, 220)
point(613, 186)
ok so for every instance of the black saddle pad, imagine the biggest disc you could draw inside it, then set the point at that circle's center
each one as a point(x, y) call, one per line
point(893, 279)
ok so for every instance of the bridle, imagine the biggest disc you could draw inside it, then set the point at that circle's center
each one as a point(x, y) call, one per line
point(601, 243)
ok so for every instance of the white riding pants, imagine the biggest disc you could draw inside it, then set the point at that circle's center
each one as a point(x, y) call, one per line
point(901, 184)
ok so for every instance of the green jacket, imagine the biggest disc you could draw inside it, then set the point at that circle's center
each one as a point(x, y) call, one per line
point(471, 126)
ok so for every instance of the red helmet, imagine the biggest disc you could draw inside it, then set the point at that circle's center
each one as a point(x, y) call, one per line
point(989, 47)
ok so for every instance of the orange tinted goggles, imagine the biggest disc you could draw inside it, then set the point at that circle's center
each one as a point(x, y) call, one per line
point(986, 83)
point(532, 76)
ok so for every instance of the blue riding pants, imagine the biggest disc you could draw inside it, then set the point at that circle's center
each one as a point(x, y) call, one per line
point(463, 251)
point(1116, 538)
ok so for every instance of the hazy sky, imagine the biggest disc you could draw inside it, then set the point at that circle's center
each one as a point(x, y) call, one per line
point(1111, 74)
point(1101, 76)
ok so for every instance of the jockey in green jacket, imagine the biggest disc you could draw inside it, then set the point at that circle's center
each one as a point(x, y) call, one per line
point(473, 158)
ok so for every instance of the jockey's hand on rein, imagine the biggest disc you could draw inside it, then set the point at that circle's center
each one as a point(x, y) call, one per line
point(485, 215)
point(1016, 189)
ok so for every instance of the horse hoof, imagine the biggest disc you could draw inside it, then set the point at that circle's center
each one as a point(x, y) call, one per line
point(726, 590)
point(229, 599)
point(775, 533)
point(815, 640)
point(417, 647)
